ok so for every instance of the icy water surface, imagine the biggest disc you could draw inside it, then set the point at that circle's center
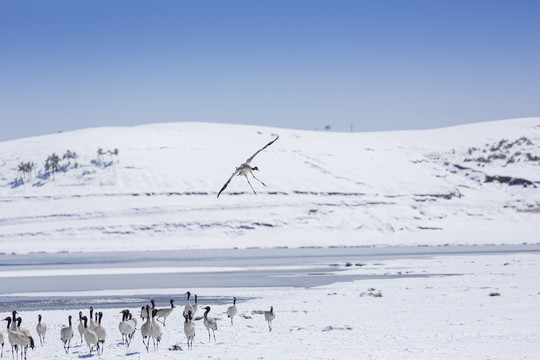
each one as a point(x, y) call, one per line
point(75, 280)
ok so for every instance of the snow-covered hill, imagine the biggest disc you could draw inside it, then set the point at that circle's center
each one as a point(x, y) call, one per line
point(472, 184)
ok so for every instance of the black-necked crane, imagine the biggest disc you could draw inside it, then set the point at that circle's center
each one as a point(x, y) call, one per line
point(146, 328)
point(132, 320)
point(246, 168)
point(232, 310)
point(12, 330)
point(80, 327)
point(143, 312)
point(14, 346)
point(101, 332)
point(18, 339)
point(90, 336)
point(41, 329)
point(188, 306)
point(189, 329)
point(165, 312)
point(156, 330)
point(66, 334)
point(126, 327)
point(143, 309)
point(269, 316)
point(195, 305)
point(25, 331)
point(210, 323)
point(13, 320)
point(92, 324)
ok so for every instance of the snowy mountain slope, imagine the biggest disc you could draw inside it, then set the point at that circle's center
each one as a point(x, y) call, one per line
point(467, 184)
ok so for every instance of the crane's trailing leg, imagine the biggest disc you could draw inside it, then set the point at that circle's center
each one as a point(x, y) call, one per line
point(251, 189)
point(258, 179)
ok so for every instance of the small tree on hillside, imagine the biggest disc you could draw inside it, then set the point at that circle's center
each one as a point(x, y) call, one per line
point(71, 155)
point(26, 168)
point(113, 153)
point(100, 154)
point(52, 164)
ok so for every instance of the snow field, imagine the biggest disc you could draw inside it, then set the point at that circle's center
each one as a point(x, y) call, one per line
point(337, 189)
point(448, 315)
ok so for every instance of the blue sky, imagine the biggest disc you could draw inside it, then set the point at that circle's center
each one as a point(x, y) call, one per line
point(378, 65)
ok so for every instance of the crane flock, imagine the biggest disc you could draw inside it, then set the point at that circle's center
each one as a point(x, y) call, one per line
point(94, 334)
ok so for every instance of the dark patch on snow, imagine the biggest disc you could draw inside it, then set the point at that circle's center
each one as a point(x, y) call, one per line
point(101, 164)
point(459, 167)
point(509, 180)
point(263, 224)
point(246, 227)
point(439, 196)
point(329, 193)
point(16, 183)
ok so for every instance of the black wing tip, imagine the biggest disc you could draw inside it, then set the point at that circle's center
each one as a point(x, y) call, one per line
point(223, 188)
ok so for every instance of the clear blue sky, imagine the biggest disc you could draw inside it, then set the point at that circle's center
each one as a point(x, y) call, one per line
point(378, 65)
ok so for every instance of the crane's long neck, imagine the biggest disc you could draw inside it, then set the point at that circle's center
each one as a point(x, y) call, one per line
point(148, 313)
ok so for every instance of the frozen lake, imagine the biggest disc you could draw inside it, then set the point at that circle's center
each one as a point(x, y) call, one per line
point(59, 280)
point(406, 303)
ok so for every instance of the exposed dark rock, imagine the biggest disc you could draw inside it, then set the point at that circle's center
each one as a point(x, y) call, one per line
point(509, 180)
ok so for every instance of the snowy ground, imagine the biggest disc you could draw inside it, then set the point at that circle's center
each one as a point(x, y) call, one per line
point(465, 185)
point(442, 317)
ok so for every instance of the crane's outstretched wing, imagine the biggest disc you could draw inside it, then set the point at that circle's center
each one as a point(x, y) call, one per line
point(228, 181)
point(267, 145)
